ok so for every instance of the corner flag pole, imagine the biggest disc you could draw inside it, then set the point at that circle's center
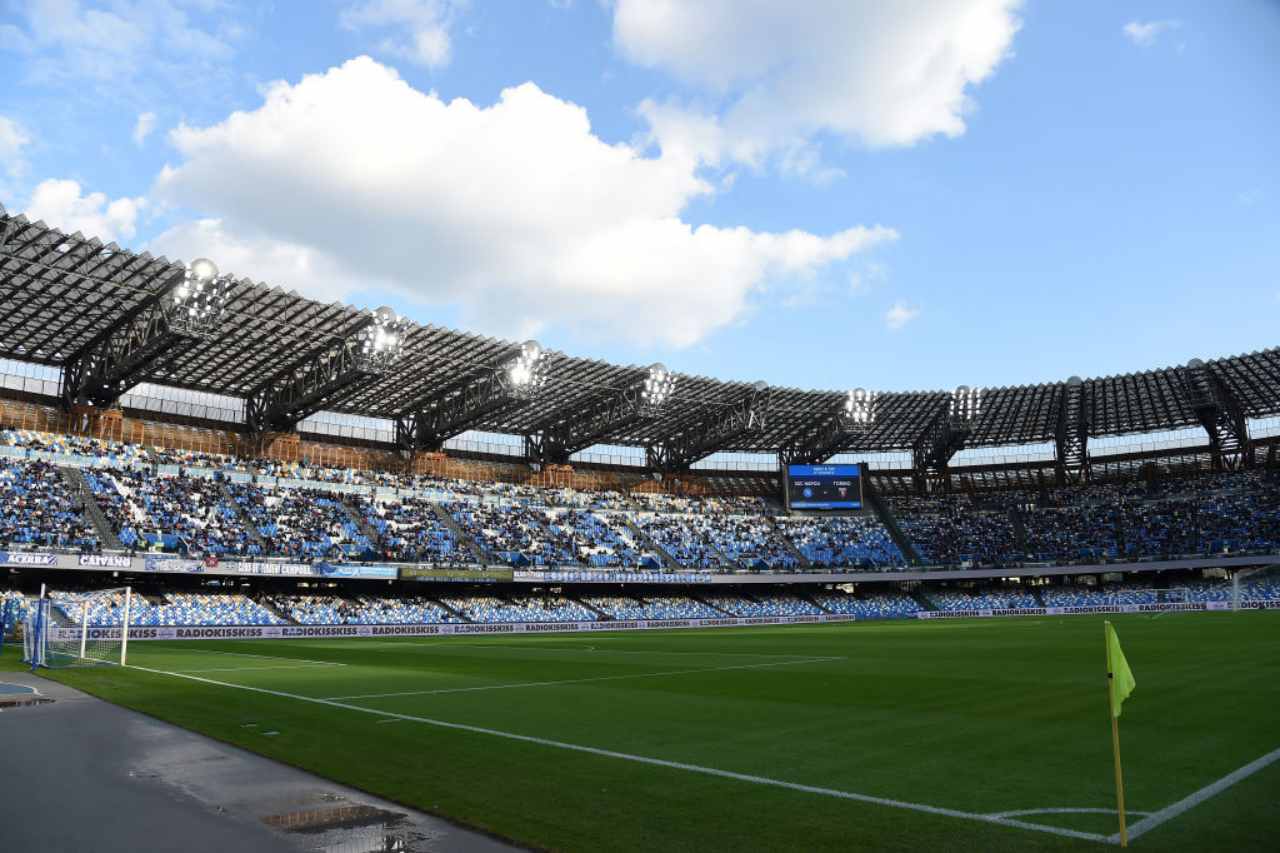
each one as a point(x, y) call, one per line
point(1115, 737)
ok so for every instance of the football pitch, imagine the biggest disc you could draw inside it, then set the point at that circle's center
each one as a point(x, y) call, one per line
point(968, 734)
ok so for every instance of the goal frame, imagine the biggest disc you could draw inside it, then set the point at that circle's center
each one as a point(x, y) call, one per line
point(38, 628)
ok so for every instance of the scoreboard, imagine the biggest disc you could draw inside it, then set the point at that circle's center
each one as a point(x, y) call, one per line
point(823, 487)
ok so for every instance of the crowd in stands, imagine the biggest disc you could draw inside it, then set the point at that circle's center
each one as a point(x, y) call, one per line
point(883, 605)
point(363, 610)
point(843, 542)
point(409, 531)
point(175, 513)
point(771, 604)
point(994, 599)
point(200, 503)
point(663, 607)
point(38, 508)
point(171, 609)
point(231, 608)
point(520, 608)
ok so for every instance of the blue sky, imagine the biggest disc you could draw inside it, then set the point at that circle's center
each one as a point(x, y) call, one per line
point(828, 194)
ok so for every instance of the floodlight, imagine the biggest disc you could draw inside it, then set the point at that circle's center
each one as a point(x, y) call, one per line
point(966, 403)
point(858, 406)
point(203, 270)
point(527, 371)
point(658, 386)
point(381, 343)
point(199, 300)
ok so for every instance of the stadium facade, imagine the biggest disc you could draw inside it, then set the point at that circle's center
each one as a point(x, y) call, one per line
point(170, 424)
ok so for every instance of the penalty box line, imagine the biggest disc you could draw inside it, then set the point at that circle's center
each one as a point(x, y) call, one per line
point(1190, 801)
point(654, 762)
point(590, 680)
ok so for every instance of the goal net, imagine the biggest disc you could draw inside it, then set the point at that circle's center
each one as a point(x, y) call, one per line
point(1173, 595)
point(78, 629)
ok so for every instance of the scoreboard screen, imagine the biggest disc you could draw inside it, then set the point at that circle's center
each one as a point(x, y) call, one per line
point(824, 487)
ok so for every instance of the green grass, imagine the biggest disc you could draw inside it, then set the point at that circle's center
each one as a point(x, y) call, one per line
point(977, 715)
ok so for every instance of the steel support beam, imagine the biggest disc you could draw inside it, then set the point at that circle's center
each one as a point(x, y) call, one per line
point(326, 375)
point(434, 421)
point(1071, 434)
point(118, 358)
point(714, 432)
point(832, 433)
point(557, 438)
point(944, 437)
point(1221, 414)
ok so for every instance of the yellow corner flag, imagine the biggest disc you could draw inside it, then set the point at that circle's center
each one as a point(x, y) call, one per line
point(1120, 684)
point(1119, 676)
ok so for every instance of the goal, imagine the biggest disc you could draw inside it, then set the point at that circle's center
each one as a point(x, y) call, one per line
point(78, 629)
point(1173, 595)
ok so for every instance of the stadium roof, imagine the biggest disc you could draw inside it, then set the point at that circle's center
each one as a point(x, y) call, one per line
point(59, 292)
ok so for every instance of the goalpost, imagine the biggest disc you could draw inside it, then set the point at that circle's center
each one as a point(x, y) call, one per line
point(1173, 595)
point(1236, 577)
point(88, 629)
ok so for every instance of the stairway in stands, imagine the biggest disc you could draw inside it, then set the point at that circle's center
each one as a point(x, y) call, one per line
point(805, 562)
point(648, 545)
point(604, 617)
point(465, 542)
point(245, 521)
point(923, 600)
point(362, 524)
point(271, 605)
point(92, 512)
point(1019, 531)
point(890, 522)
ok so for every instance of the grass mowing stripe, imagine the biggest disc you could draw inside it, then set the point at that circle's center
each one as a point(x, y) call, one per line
point(438, 643)
point(577, 680)
point(188, 649)
point(261, 668)
point(656, 762)
point(1168, 813)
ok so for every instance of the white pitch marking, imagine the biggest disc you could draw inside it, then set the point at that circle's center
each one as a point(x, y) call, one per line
point(656, 762)
point(1062, 810)
point(1190, 801)
point(260, 668)
point(577, 680)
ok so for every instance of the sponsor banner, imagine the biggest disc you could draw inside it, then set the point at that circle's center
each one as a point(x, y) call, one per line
point(608, 576)
point(169, 565)
point(1254, 605)
point(27, 558)
point(345, 570)
point(305, 632)
point(265, 569)
point(1074, 611)
point(106, 561)
point(458, 575)
point(260, 568)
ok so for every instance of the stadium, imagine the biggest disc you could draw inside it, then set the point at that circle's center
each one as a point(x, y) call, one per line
point(280, 572)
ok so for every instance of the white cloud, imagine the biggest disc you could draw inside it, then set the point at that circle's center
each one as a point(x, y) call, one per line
point(13, 138)
point(861, 281)
point(777, 74)
point(516, 212)
point(142, 127)
point(899, 315)
point(112, 41)
point(1247, 198)
point(61, 204)
point(421, 26)
point(1145, 33)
